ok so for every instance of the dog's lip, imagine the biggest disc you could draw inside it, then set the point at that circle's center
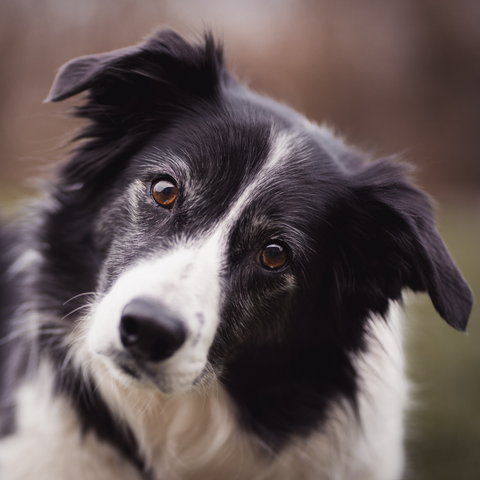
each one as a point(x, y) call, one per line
point(146, 374)
point(134, 368)
point(139, 375)
point(128, 366)
point(129, 371)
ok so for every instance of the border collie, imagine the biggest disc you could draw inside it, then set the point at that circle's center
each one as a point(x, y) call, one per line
point(211, 288)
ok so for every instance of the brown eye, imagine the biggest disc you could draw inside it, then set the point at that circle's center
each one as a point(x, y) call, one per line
point(274, 256)
point(164, 192)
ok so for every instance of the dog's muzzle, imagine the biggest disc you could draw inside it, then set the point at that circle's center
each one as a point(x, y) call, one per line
point(153, 329)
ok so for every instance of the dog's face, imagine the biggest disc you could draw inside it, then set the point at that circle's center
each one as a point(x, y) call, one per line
point(227, 230)
point(207, 226)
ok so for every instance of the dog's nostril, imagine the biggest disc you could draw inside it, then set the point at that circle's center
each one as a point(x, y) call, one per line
point(149, 331)
point(129, 327)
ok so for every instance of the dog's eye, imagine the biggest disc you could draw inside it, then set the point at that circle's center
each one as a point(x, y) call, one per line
point(273, 256)
point(164, 192)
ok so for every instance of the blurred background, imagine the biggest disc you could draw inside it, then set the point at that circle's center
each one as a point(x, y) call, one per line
point(393, 76)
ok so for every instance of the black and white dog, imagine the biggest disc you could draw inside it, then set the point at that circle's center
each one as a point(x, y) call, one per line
point(211, 288)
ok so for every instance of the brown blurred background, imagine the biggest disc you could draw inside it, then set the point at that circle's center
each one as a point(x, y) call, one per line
point(391, 76)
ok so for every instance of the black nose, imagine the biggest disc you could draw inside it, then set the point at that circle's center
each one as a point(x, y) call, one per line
point(149, 331)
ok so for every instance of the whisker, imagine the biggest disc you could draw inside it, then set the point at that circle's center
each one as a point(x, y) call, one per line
point(76, 310)
point(82, 295)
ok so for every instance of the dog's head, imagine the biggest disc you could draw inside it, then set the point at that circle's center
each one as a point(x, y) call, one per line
point(219, 228)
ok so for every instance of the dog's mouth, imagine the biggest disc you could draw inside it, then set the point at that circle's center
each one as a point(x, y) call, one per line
point(128, 370)
point(171, 376)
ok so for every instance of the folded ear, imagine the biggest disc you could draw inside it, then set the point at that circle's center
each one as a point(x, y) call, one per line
point(165, 59)
point(391, 242)
point(134, 94)
point(81, 73)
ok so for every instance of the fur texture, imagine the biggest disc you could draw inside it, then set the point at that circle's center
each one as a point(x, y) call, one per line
point(248, 326)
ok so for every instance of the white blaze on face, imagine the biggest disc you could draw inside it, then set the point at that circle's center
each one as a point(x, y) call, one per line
point(186, 281)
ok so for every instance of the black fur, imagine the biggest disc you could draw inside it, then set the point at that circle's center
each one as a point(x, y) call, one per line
point(358, 233)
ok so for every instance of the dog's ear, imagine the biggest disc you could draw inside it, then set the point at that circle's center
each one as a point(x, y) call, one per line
point(81, 73)
point(133, 94)
point(165, 60)
point(389, 242)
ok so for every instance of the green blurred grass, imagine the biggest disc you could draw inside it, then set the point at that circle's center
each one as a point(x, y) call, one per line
point(12, 197)
point(443, 425)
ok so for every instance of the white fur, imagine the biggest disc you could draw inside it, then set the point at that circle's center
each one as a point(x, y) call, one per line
point(186, 281)
point(27, 260)
point(48, 443)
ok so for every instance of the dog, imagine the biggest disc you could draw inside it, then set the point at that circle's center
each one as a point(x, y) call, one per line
point(211, 288)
